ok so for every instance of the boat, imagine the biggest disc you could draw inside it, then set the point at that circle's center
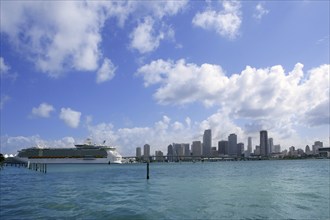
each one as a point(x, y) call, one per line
point(82, 153)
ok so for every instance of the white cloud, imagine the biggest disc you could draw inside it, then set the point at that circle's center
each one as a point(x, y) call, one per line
point(269, 97)
point(43, 110)
point(225, 22)
point(66, 37)
point(4, 68)
point(4, 100)
point(70, 117)
point(260, 11)
point(159, 136)
point(106, 71)
point(183, 83)
point(10, 145)
point(145, 38)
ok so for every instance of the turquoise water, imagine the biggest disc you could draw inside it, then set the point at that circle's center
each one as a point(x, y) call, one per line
point(295, 189)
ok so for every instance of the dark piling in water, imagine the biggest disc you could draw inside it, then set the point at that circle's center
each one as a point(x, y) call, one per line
point(147, 170)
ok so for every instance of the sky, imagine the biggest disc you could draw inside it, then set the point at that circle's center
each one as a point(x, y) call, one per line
point(159, 72)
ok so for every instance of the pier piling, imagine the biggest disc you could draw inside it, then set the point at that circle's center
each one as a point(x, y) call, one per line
point(147, 170)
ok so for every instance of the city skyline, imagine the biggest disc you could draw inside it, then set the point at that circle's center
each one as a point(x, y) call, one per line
point(229, 147)
point(137, 72)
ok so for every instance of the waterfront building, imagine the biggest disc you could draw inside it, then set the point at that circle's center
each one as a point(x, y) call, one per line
point(178, 151)
point(270, 146)
point(324, 152)
point(308, 150)
point(186, 150)
point(207, 142)
point(240, 149)
point(277, 149)
point(316, 146)
point(257, 151)
point(138, 153)
point(146, 152)
point(214, 152)
point(249, 147)
point(159, 156)
point(170, 153)
point(232, 145)
point(300, 152)
point(223, 147)
point(196, 148)
point(264, 150)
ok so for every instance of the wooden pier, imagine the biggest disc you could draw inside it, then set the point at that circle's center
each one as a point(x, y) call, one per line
point(13, 162)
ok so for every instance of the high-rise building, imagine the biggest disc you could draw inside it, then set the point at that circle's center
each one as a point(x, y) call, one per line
point(264, 151)
point(178, 151)
point(196, 149)
point(240, 149)
point(277, 149)
point(146, 151)
point(232, 145)
point(138, 153)
point(159, 156)
point(270, 145)
point(257, 150)
point(186, 150)
point(249, 147)
point(223, 147)
point(207, 143)
point(308, 150)
point(316, 146)
point(170, 153)
point(214, 152)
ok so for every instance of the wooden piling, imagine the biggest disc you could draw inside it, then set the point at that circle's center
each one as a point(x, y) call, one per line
point(147, 170)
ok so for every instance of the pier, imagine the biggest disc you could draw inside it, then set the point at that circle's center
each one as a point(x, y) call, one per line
point(13, 162)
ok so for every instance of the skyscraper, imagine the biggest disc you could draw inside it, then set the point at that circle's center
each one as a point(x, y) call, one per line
point(207, 142)
point(170, 153)
point(270, 146)
point(240, 149)
point(186, 149)
point(146, 151)
point(264, 151)
point(316, 146)
point(223, 147)
point(138, 153)
point(196, 149)
point(232, 145)
point(249, 147)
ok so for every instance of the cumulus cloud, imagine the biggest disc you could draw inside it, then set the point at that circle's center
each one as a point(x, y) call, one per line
point(43, 110)
point(145, 38)
point(260, 11)
point(159, 136)
point(11, 144)
point(66, 37)
point(226, 22)
point(265, 95)
point(70, 117)
point(106, 71)
point(183, 83)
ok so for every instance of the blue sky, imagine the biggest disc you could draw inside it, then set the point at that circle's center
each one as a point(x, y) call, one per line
point(160, 72)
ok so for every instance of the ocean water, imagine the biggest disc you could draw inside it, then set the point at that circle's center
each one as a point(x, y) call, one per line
point(282, 189)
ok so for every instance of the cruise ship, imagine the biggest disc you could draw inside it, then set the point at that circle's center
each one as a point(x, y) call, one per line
point(82, 153)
